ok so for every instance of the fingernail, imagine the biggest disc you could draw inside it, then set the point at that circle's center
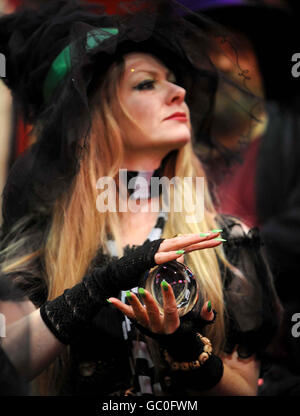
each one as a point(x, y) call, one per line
point(142, 292)
point(216, 231)
point(208, 306)
point(128, 295)
point(180, 252)
point(108, 301)
point(219, 239)
point(204, 234)
point(164, 285)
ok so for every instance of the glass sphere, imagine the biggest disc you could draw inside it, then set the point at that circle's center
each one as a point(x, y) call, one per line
point(182, 281)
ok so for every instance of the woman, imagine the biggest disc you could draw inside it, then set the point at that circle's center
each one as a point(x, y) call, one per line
point(110, 95)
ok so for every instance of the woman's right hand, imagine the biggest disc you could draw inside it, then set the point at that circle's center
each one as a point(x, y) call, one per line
point(125, 273)
point(168, 249)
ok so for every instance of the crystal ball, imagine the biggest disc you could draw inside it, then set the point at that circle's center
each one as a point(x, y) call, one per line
point(182, 281)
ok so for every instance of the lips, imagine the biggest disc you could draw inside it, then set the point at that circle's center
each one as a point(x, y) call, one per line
point(177, 116)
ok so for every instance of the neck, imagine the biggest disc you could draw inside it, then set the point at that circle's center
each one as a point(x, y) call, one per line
point(138, 178)
point(142, 162)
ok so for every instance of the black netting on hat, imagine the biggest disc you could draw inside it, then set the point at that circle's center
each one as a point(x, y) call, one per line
point(31, 40)
point(251, 18)
point(263, 58)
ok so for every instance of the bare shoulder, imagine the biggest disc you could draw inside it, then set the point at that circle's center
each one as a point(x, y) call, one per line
point(248, 368)
point(236, 226)
point(234, 361)
point(13, 311)
point(242, 226)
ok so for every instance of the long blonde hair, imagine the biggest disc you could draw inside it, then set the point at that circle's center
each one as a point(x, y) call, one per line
point(78, 230)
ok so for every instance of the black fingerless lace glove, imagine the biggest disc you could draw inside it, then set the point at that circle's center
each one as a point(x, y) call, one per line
point(66, 315)
point(189, 355)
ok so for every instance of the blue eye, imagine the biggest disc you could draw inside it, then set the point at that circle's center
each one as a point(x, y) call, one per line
point(148, 84)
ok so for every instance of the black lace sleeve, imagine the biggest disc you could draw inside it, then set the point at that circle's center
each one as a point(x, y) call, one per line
point(252, 305)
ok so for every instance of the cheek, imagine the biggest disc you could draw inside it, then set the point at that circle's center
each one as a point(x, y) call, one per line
point(144, 112)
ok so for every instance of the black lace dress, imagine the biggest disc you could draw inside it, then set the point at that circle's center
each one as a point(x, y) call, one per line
point(102, 363)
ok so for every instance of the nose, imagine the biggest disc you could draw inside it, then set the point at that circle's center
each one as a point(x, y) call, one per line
point(176, 94)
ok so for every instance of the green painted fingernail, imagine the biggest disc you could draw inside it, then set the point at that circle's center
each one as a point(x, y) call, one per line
point(142, 292)
point(180, 252)
point(164, 285)
point(219, 239)
point(216, 231)
point(204, 234)
point(108, 301)
point(209, 306)
point(128, 294)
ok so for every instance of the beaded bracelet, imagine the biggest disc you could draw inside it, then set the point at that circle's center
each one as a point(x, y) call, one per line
point(193, 365)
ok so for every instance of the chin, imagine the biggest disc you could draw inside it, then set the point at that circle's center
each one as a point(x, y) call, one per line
point(181, 136)
point(183, 139)
point(179, 143)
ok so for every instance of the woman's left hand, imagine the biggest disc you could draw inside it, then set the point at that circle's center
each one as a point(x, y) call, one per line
point(149, 315)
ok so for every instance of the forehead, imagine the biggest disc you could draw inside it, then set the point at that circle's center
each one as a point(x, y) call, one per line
point(139, 60)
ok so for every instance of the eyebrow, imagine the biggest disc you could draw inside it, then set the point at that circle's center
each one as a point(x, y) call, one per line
point(151, 72)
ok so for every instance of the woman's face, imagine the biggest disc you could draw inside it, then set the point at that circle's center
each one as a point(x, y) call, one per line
point(149, 95)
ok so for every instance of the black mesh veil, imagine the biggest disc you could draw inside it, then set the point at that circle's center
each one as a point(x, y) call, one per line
point(32, 39)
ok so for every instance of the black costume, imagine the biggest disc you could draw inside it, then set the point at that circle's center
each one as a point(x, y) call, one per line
point(100, 356)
